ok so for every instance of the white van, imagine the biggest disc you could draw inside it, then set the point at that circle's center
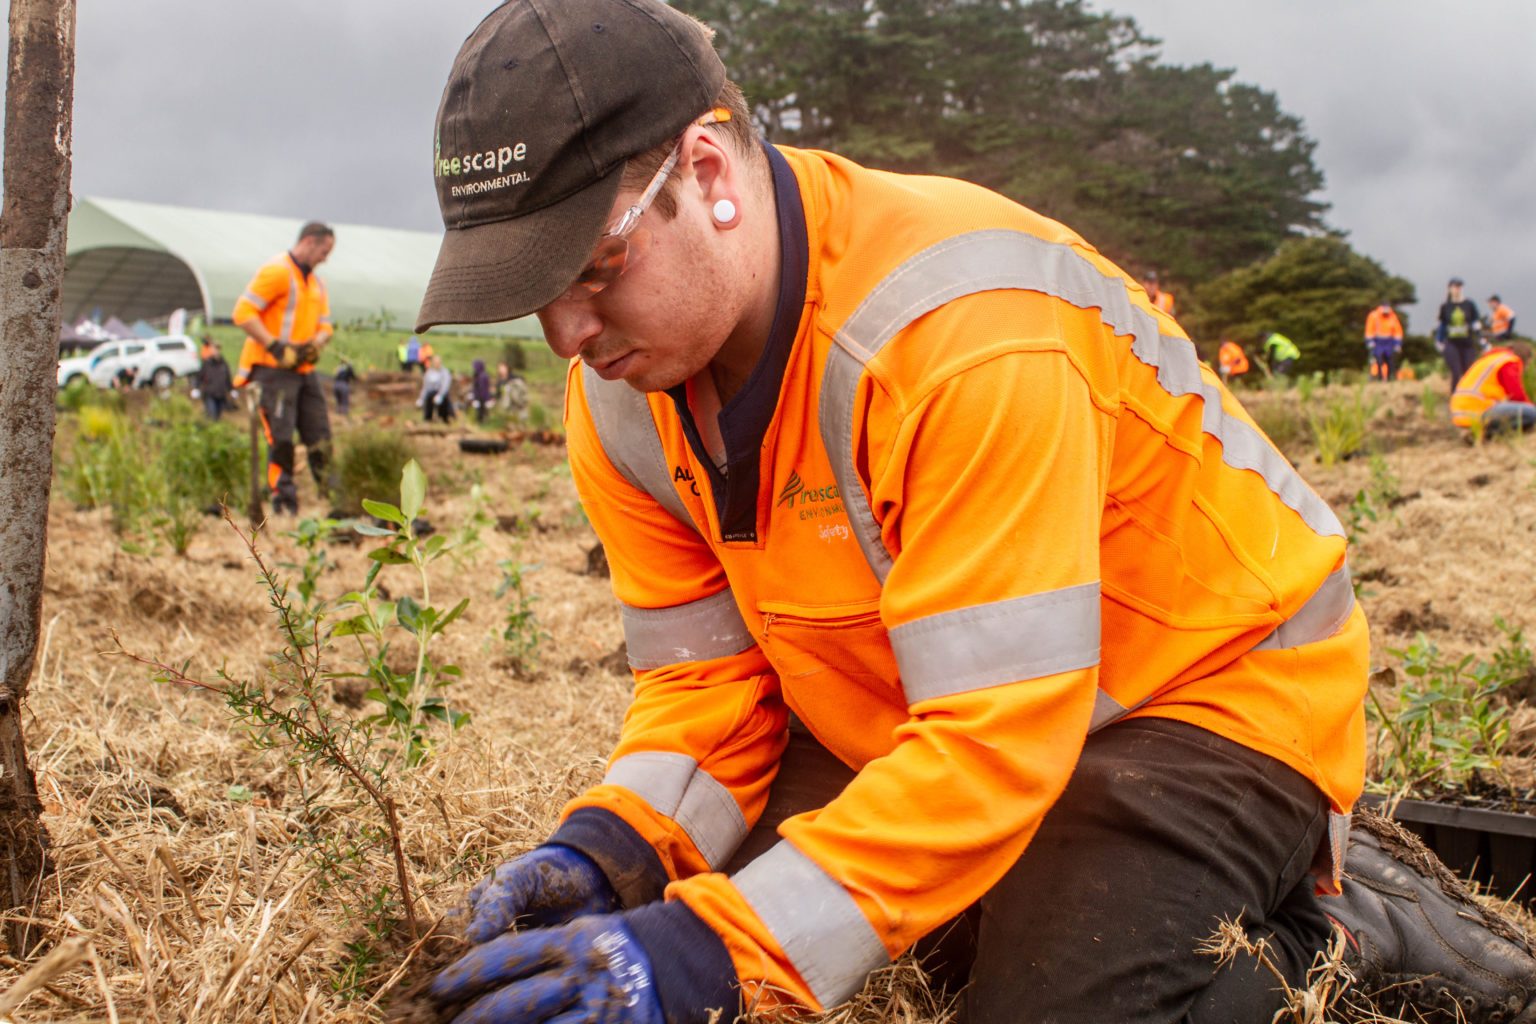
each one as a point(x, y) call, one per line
point(157, 361)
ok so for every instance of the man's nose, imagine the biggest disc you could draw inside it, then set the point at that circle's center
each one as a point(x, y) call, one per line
point(568, 326)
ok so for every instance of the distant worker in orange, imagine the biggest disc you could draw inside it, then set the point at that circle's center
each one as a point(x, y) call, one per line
point(286, 315)
point(1161, 297)
point(1501, 319)
point(1232, 360)
point(1384, 339)
point(1492, 392)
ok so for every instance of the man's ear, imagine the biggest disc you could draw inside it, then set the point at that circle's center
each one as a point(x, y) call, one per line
point(712, 177)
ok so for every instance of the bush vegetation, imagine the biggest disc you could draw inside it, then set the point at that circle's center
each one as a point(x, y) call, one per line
point(368, 462)
point(1451, 719)
point(158, 483)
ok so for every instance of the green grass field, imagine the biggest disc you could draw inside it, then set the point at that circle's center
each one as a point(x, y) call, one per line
point(370, 349)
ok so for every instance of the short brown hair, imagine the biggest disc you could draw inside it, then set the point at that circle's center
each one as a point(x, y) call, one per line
point(1521, 349)
point(737, 132)
point(316, 229)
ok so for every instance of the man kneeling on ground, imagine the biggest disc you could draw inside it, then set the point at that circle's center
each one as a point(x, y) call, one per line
point(968, 612)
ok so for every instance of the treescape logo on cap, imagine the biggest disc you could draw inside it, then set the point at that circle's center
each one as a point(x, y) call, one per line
point(489, 161)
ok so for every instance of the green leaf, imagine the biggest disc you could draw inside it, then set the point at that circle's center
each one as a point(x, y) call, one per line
point(385, 511)
point(369, 530)
point(434, 546)
point(355, 626)
point(239, 794)
point(388, 556)
point(408, 613)
point(413, 490)
point(458, 610)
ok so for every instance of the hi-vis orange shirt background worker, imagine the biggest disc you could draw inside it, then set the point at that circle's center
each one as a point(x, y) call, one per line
point(961, 599)
point(286, 315)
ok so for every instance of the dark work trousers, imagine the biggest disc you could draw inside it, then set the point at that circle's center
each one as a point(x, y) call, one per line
point(1164, 830)
point(292, 401)
point(1460, 353)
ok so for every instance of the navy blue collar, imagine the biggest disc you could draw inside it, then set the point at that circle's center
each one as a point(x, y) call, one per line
point(744, 419)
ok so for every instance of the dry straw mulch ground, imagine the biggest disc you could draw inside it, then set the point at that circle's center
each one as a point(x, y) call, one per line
point(179, 894)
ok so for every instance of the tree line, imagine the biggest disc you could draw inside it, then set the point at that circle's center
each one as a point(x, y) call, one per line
point(1071, 112)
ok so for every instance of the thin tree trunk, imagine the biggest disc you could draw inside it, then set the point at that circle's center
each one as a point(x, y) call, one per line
point(38, 119)
point(253, 512)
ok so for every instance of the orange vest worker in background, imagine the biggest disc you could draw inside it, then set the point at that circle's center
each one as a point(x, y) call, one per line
point(1491, 394)
point(286, 315)
point(1231, 358)
point(1501, 319)
point(1161, 298)
point(1384, 340)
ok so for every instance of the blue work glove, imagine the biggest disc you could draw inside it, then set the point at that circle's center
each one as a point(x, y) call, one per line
point(592, 970)
point(550, 885)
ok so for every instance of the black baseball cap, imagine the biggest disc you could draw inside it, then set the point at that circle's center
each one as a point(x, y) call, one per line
point(546, 102)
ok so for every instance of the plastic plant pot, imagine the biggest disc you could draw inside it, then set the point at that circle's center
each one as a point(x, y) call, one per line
point(1494, 848)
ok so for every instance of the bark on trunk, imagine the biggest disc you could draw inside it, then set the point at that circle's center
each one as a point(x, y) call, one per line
point(38, 108)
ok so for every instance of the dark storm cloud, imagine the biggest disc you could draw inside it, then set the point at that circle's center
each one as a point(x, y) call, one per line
point(324, 108)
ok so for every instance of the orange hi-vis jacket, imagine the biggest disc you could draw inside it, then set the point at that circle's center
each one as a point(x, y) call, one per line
point(1382, 322)
point(1232, 358)
point(1479, 389)
point(1000, 504)
point(1502, 318)
point(293, 307)
point(1164, 301)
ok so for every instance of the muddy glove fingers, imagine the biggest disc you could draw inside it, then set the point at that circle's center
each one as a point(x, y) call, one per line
point(592, 970)
point(550, 885)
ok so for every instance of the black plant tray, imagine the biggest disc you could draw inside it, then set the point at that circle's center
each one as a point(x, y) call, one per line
point(1494, 848)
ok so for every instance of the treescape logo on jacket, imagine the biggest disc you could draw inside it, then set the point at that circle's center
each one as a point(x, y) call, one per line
point(497, 160)
point(814, 502)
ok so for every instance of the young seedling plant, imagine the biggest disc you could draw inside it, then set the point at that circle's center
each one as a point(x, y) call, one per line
point(289, 707)
point(1450, 721)
point(410, 701)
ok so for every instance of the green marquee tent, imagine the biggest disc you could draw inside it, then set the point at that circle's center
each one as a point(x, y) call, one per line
point(138, 261)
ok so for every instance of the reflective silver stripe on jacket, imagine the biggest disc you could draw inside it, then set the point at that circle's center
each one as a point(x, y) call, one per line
point(254, 299)
point(628, 434)
point(1323, 615)
point(1002, 642)
point(711, 627)
point(291, 310)
point(675, 786)
point(987, 260)
point(827, 938)
point(1058, 631)
point(1476, 390)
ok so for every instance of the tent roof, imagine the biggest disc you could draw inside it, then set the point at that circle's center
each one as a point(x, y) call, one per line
point(373, 273)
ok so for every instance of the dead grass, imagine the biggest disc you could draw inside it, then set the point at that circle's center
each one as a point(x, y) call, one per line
point(173, 901)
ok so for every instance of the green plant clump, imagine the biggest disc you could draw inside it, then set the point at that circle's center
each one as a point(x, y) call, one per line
point(368, 462)
point(157, 482)
point(1451, 720)
point(1342, 429)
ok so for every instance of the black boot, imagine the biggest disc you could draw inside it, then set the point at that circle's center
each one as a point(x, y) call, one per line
point(1419, 945)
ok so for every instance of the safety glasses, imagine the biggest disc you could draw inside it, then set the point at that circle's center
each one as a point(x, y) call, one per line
point(621, 244)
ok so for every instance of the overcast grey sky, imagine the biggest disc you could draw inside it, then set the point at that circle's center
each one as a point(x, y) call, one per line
point(1426, 119)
